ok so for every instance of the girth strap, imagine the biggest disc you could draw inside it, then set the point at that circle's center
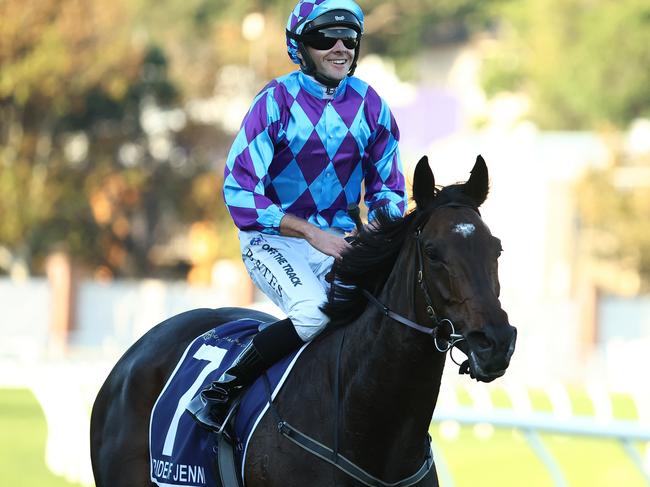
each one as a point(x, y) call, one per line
point(345, 465)
point(226, 461)
point(339, 461)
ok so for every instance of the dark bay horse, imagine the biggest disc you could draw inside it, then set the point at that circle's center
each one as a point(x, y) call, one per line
point(431, 274)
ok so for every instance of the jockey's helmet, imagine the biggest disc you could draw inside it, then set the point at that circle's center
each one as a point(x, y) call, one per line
point(311, 16)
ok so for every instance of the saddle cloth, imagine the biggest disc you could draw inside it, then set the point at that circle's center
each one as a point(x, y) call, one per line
point(181, 452)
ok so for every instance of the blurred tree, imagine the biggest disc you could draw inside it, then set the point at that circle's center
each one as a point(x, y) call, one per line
point(614, 211)
point(93, 154)
point(201, 36)
point(401, 28)
point(49, 60)
point(53, 49)
point(581, 64)
point(580, 61)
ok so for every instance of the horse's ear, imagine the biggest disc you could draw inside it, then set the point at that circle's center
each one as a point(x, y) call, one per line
point(477, 186)
point(424, 184)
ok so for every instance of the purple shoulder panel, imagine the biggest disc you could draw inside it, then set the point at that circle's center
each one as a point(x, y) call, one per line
point(372, 108)
point(256, 120)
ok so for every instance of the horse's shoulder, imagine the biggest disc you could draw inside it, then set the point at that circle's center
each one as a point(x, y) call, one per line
point(311, 372)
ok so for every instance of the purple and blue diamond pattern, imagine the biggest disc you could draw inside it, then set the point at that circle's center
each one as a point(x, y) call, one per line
point(301, 153)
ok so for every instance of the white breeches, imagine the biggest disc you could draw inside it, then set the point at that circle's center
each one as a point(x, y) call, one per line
point(292, 274)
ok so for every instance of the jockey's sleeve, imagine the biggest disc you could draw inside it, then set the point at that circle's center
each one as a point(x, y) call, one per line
point(383, 172)
point(247, 169)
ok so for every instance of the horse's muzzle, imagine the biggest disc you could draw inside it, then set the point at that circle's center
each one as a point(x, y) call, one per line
point(489, 351)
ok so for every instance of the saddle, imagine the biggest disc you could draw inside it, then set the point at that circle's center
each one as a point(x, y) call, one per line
point(183, 452)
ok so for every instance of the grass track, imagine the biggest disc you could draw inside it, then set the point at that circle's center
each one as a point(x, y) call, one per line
point(503, 460)
point(506, 460)
point(22, 442)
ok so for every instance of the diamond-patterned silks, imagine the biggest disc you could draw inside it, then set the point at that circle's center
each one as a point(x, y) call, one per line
point(301, 153)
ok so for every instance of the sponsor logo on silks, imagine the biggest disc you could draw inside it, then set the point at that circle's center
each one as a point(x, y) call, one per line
point(342, 17)
point(268, 276)
point(255, 241)
point(288, 269)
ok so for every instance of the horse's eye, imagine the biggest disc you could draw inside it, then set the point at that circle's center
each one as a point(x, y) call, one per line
point(432, 253)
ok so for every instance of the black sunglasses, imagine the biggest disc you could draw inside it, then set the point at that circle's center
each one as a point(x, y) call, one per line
point(325, 39)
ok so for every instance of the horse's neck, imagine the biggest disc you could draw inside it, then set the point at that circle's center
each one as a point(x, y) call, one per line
point(391, 375)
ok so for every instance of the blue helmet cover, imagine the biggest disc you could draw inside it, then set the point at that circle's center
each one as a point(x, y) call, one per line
point(307, 10)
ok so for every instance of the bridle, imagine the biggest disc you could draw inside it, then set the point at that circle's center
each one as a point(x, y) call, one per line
point(437, 324)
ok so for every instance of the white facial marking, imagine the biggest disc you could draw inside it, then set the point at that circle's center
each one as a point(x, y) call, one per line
point(465, 229)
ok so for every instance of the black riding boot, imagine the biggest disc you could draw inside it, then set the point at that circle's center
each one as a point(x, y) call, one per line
point(275, 341)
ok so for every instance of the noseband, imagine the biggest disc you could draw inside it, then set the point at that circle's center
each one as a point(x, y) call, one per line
point(437, 323)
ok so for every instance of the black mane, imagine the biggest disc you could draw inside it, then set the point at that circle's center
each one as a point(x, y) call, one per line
point(370, 261)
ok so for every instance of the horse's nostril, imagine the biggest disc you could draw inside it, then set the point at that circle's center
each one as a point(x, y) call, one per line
point(479, 341)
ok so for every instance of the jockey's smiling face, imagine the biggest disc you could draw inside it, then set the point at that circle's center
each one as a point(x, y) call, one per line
point(334, 63)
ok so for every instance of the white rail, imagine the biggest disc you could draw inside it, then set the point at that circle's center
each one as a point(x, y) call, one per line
point(532, 424)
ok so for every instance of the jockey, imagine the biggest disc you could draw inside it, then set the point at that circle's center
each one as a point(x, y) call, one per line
point(306, 145)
